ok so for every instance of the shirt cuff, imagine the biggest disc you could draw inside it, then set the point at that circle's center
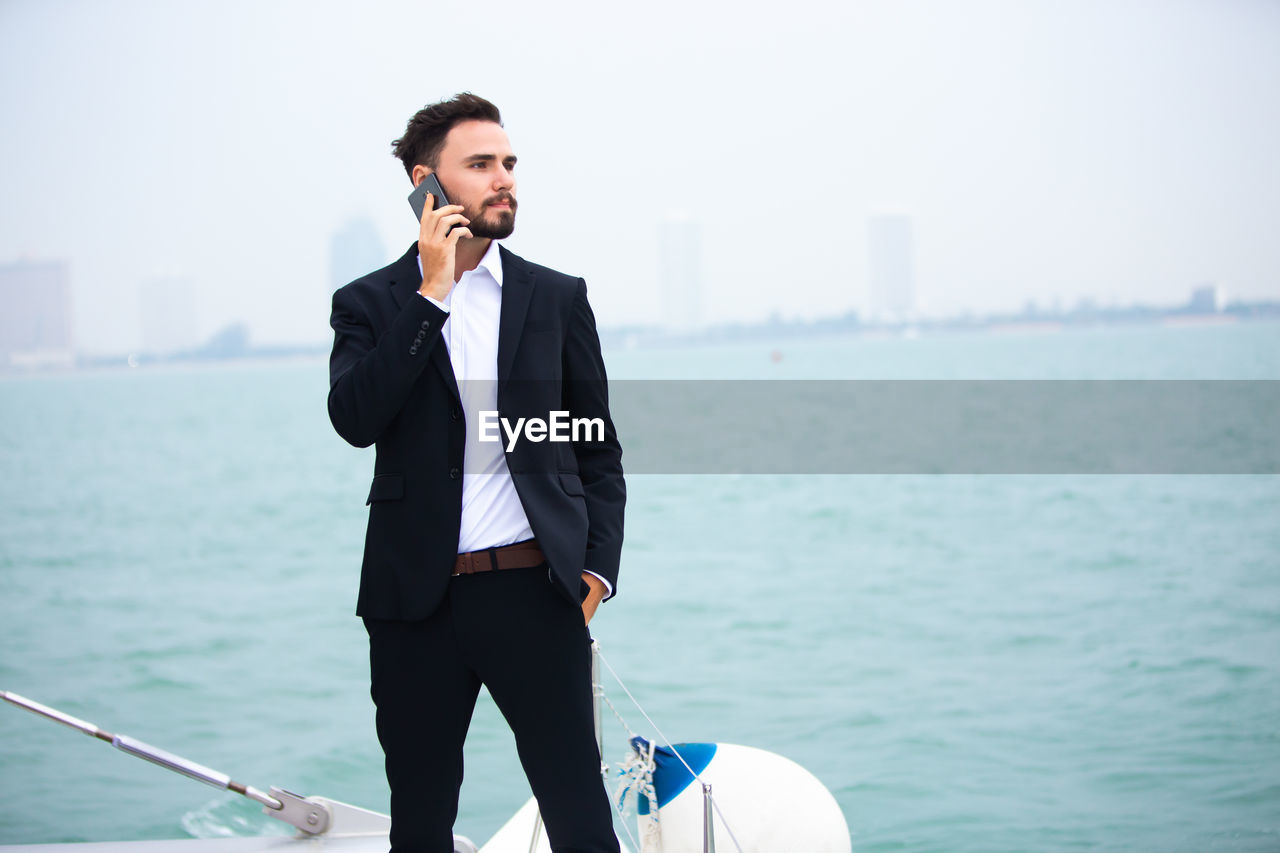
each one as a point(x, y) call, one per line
point(608, 587)
point(435, 302)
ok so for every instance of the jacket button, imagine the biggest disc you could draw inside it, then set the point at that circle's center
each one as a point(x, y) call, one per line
point(454, 413)
point(426, 325)
point(454, 473)
point(413, 350)
point(420, 335)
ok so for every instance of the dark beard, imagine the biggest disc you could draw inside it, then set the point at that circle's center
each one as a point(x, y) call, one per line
point(493, 226)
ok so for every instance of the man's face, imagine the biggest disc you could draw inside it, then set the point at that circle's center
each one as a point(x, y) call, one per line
point(476, 171)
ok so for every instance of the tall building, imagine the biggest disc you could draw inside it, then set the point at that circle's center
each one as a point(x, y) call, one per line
point(35, 323)
point(1207, 299)
point(891, 255)
point(167, 316)
point(680, 268)
point(354, 249)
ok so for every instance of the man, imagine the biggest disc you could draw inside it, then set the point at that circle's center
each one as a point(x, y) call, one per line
point(483, 559)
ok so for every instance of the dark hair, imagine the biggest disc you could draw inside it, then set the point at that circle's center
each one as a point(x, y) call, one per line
point(424, 135)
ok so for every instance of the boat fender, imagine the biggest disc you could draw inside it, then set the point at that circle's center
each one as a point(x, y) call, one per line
point(767, 802)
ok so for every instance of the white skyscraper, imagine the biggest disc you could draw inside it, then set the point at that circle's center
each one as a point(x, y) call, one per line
point(1208, 299)
point(680, 268)
point(35, 324)
point(891, 256)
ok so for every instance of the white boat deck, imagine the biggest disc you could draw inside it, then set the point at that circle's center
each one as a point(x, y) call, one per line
point(366, 844)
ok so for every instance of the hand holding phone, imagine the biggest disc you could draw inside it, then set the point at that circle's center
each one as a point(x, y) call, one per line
point(438, 233)
point(418, 198)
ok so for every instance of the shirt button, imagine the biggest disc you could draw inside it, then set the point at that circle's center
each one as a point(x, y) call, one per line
point(454, 473)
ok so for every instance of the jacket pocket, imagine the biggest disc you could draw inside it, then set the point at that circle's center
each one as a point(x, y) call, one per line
point(571, 484)
point(386, 487)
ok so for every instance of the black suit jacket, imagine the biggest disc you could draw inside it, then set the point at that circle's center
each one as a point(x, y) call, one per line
point(391, 384)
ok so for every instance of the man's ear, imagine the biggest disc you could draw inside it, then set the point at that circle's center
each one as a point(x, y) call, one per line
point(419, 172)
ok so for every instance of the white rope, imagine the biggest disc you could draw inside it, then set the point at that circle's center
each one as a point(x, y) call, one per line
point(637, 780)
point(666, 741)
point(628, 773)
point(630, 731)
point(622, 819)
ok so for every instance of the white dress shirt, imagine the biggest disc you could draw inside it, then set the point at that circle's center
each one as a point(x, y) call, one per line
point(492, 515)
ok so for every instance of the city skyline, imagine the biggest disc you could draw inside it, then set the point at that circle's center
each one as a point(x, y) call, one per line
point(169, 322)
point(1047, 153)
point(25, 342)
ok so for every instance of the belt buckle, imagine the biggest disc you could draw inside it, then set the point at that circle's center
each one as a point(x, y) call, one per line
point(475, 562)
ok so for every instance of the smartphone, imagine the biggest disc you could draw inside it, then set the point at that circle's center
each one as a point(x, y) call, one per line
point(418, 198)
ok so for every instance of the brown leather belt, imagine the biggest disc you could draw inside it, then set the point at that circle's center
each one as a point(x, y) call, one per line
point(521, 555)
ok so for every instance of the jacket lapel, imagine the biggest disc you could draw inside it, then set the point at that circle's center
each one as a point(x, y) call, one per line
point(517, 290)
point(405, 281)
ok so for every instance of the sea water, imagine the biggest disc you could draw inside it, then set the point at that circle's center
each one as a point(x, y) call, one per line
point(967, 662)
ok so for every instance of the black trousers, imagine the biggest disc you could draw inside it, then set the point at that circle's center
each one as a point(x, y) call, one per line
point(513, 632)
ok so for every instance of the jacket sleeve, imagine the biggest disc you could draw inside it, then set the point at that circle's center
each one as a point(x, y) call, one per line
point(372, 370)
point(586, 394)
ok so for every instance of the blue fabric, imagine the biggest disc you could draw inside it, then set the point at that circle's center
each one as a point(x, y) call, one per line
point(670, 776)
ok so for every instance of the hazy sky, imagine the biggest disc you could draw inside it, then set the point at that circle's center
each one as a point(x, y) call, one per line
point(1123, 151)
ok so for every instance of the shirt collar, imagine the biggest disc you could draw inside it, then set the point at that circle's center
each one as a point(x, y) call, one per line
point(491, 262)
